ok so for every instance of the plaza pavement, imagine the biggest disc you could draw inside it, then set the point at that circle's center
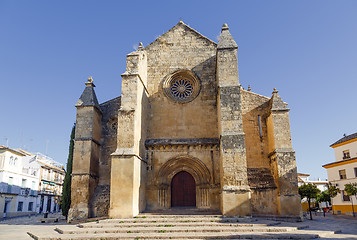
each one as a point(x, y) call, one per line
point(17, 228)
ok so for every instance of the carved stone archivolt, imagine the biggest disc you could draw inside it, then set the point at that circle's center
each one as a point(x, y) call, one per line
point(193, 166)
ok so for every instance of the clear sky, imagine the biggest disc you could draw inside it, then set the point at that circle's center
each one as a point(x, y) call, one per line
point(305, 49)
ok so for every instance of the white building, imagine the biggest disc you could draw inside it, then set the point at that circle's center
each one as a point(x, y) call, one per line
point(29, 183)
point(320, 184)
point(19, 182)
point(304, 179)
point(51, 177)
point(343, 171)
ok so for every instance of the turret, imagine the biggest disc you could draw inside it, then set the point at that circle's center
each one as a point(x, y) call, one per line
point(86, 153)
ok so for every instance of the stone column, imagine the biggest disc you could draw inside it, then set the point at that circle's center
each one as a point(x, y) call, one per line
point(86, 153)
point(282, 158)
point(235, 192)
point(128, 161)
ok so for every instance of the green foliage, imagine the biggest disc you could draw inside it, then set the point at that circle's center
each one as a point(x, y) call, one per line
point(332, 191)
point(351, 189)
point(66, 194)
point(323, 197)
point(309, 191)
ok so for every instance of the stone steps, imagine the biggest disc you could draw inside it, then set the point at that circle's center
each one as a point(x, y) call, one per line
point(180, 219)
point(206, 235)
point(182, 211)
point(171, 229)
point(174, 224)
point(180, 227)
point(143, 216)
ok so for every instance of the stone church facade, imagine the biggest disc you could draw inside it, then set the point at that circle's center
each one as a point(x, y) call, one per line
point(183, 133)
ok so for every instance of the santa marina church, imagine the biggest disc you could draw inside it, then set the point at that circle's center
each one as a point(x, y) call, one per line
point(183, 134)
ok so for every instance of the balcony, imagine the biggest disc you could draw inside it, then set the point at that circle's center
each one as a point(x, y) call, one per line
point(47, 192)
point(8, 188)
point(24, 192)
point(34, 193)
point(59, 181)
point(47, 178)
point(346, 155)
point(52, 181)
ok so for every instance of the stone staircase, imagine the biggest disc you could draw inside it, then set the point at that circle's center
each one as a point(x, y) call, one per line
point(198, 226)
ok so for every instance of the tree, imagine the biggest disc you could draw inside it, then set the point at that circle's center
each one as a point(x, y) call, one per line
point(332, 191)
point(66, 193)
point(351, 190)
point(323, 197)
point(309, 191)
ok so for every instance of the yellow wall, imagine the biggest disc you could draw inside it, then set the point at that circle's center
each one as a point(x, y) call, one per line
point(344, 208)
point(305, 206)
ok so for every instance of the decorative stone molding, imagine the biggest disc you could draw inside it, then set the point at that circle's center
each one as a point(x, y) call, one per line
point(181, 86)
point(192, 165)
point(182, 144)
point(163, 196)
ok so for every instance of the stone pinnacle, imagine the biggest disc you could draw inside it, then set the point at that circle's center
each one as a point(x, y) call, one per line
point(90, 82)
point(140, 46)
point(225, 27)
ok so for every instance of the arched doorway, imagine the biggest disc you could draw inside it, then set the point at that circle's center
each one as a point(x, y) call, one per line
point(183, 190)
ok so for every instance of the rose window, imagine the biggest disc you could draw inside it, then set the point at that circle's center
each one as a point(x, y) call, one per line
point(181, 86)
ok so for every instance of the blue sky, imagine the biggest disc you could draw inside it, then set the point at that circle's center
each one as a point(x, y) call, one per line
point(305, 49)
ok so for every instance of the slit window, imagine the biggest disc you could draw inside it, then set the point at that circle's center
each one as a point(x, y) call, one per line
point(260, 126)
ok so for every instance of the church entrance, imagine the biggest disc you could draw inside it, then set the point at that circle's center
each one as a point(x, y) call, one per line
point(183, 190)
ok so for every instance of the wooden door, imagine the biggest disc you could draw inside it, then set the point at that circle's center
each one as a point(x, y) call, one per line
point(183, 190)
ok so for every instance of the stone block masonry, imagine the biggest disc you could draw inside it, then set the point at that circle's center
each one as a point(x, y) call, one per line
point(182, 112)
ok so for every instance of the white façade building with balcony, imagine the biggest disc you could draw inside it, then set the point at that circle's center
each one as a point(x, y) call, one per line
point(51, 177)
point(29, 183)
point(51, 184)
point(343, 171)
point(19, 180)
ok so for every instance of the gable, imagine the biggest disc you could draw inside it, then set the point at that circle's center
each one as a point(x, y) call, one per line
point(185, 51)
point(178, 32)
point(179, 48)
